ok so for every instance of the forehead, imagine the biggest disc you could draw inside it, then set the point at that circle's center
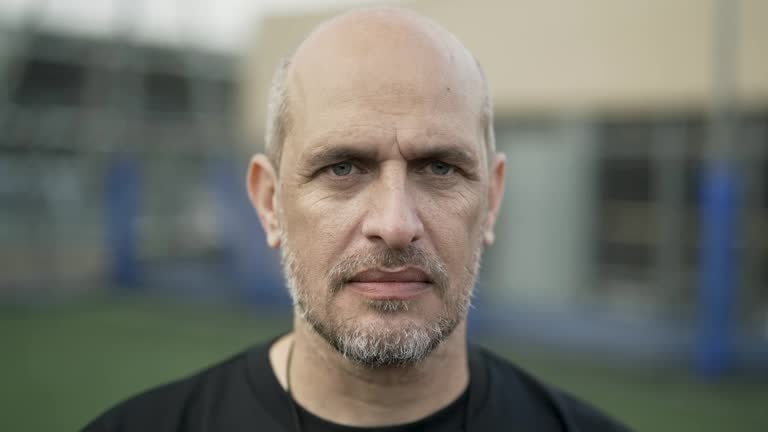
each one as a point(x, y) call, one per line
point(384, 140)
point(374, 79)
point(409, 117)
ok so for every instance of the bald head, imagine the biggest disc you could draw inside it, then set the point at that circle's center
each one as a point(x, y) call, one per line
point(386, 54)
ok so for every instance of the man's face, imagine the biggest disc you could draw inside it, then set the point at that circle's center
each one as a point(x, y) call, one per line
point(382, 199)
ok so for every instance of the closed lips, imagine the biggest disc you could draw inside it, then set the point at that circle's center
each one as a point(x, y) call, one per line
point(401, 284)
point(382, 276)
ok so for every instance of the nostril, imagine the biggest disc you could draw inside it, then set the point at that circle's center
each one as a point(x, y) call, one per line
point(395, 235)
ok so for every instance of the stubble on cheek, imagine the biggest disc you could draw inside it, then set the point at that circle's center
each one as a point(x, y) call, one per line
point(313, 280)
point(393, 332)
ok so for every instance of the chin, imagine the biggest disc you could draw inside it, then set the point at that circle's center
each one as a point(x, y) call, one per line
point(382, 333)
point(387, 341)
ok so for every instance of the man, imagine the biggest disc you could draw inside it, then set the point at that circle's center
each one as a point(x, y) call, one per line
point(380, 186)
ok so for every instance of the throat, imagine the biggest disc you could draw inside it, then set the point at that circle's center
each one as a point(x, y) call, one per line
point(328, 385)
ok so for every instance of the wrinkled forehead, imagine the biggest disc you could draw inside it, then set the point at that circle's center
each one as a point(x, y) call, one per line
point(392, 63)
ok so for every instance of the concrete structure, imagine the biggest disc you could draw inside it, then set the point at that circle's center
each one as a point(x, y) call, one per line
point(544, 57)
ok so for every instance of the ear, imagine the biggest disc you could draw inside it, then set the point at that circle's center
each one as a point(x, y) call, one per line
point(495, 194)
point(261, 182)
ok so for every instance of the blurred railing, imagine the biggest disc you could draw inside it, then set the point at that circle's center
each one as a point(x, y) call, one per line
point(120, 171)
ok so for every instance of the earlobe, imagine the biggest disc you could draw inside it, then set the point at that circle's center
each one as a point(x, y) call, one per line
point(488, 237)
point(261, 182)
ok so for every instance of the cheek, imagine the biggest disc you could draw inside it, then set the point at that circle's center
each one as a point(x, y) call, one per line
point(320, 227)
point(454, 224)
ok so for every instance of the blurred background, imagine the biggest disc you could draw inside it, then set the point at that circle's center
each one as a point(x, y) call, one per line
point(631, 263)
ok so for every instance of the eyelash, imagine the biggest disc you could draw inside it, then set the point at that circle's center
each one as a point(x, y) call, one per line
point(453, 169)
point(329, 169)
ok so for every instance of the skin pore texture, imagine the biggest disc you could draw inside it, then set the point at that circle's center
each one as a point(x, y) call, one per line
point(385, 198)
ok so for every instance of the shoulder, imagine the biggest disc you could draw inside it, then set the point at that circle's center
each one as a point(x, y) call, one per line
point(587, 417)
point(510, 384)
point(178, 405)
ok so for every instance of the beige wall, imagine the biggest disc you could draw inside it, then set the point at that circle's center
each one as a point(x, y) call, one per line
point(544, 56)
point(753, 43)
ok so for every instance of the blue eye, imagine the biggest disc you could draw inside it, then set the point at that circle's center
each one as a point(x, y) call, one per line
point(341, 169)
point(440, 168)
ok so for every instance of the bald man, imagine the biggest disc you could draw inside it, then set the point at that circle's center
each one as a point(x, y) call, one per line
point(380, 185)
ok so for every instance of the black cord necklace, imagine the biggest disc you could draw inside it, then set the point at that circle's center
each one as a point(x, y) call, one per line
point(294, 408)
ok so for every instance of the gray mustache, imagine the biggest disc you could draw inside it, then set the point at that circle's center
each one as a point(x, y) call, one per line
point(385, 257)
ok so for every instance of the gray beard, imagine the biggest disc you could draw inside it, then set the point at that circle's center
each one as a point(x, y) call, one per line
point(376, 346)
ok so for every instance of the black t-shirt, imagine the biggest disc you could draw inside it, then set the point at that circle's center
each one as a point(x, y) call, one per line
point(449, 419)
point(242, 394)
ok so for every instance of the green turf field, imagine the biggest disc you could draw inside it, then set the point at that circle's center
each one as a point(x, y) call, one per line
point(62, 365)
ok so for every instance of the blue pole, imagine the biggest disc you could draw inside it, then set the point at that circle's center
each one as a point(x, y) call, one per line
point(717, 260)
point(122, 208)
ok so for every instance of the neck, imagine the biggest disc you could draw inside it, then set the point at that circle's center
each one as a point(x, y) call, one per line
point(336, 389)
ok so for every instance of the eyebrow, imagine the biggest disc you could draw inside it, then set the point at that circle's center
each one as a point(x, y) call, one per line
point(326, 154)
point(450, 154)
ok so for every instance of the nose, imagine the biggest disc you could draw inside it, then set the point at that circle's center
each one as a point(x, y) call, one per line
point(392, 217)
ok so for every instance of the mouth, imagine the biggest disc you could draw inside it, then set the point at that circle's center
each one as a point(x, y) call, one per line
point(391, 284)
